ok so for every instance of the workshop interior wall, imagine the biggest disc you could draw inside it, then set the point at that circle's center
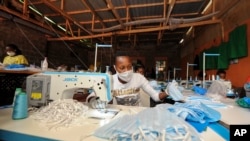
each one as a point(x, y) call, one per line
point(212, 35)
point(34, 46)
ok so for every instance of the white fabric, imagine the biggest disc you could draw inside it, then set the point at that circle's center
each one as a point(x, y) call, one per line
point(217, 87)
point(125, 76)
point(137, 81)
point(173, 90)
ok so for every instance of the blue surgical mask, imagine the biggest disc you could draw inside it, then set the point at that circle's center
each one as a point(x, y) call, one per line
point(173, 90)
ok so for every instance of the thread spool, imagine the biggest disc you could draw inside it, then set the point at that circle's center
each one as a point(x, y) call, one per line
point(20, 109)
point(17, 91)
point(213, 78)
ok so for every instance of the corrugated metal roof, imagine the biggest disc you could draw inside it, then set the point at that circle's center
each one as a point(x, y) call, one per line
point(145, 19)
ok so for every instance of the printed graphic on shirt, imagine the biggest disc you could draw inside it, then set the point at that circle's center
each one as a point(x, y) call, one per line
point(128, 97)
point(133, 100)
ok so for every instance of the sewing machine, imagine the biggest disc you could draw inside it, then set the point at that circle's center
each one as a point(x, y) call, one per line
point(48, 86)
point(247, 89)
point(190, 83)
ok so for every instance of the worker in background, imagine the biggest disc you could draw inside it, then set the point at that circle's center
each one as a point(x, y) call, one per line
point(221, 74)
point(127, 84)
point(139, 68)
point(14, 56)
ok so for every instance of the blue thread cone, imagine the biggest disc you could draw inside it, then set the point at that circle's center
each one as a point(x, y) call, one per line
point(20, 110)
point(17, 91)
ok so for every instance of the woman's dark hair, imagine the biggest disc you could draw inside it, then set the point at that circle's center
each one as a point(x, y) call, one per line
point(14, 47)
point(138, 66)
point(220, 71)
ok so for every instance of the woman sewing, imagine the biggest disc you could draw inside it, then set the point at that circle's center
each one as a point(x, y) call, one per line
point(14, 56)
point(126, 85)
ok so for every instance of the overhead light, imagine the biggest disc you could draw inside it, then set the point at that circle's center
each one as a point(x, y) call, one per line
point(189, 30)
point(61, 28)
point(181, 41)
point(208, 5)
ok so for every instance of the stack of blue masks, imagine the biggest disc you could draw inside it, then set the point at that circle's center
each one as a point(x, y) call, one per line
point(206, 101)
point(149, 125)
point(15, 66)
point(199, 90)
point(196, 113)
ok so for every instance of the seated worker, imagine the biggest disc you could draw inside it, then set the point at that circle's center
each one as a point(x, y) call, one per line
point(139, 68)
point(221, 85)
point(221, 74)
point(14, 56)
point(127, 84)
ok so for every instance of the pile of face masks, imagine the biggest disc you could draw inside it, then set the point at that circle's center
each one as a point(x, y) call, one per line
point(206, 101)
point(60, 114)
point(199, 90)
point(195, 111)
point(174, 91)
point(152, 124)
point(14, 66)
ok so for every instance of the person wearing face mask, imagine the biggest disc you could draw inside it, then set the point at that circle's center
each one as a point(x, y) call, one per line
point(139, 68)
point(221, 74)
point(127, 84)
point(14, 56)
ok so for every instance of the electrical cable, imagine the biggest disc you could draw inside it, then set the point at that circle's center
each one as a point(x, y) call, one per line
point(52, 29)
point(31, 42)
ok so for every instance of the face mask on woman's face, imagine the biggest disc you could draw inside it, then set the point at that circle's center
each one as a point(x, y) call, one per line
point(125, 76)
point(11, 53)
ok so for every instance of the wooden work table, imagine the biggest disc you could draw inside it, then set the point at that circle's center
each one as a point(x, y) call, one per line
point(29, 129)
point(19, 71)
point(231, 115)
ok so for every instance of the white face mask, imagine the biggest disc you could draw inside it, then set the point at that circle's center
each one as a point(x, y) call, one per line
point(11, 53)
point(125, 76)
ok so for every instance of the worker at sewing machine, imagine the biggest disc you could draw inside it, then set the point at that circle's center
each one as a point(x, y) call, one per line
point(221, 74)
point(221, 86)
point(14, 57)
point(139, 68)
point(127, 84)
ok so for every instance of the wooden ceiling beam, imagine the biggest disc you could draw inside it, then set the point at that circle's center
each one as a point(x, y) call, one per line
point(187, 1)
point(207, 22)
point(70, 13)
point(170, 8)
point(62, 4)
point(115, 20)
point(129, 19)
point(150, 39)
point(65, 15)
point(35, 2)
point(119, 7)
point(185, 14)
point(25, 7)
point(93, 11)
point(68, 26)
point(117, 16)
point(29, 20)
